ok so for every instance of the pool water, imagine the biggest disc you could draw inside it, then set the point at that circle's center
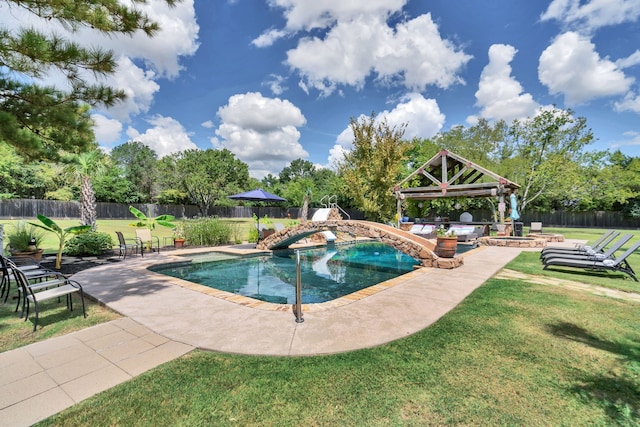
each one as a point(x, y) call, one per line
point(326, 273)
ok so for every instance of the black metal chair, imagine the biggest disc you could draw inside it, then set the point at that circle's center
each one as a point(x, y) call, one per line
point(126, 247)
point(56, 286)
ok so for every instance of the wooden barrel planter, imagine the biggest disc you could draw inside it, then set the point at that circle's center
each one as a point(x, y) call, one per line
point(446, 246)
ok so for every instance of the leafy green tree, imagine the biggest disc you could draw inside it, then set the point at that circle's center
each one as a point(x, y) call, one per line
point(113, 186)
point(542, 148)
point(138, 163)
point(298, 168)
point(373, 166)
point(209, 176)
point(20, 178)
point(40, 121)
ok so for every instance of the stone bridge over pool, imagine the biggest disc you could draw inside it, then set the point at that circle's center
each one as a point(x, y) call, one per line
point(415, 246)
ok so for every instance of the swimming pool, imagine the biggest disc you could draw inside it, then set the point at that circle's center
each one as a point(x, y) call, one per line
point(326, 273)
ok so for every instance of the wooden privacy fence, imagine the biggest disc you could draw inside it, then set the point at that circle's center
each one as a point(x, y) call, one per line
point(30, 208)
point(590, 219)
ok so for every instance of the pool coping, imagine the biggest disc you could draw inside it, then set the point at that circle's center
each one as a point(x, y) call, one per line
point(269, 306)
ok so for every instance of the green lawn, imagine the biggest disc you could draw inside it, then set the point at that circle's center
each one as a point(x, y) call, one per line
point(110, 226)
point(512, 353)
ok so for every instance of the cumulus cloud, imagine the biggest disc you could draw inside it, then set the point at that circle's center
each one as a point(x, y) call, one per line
point(261, 132)
point(307, 15)
point(356, 42)
point(107, 130)
point(413, 55)
point(500, 96)
point(591, 15)
point(571, 67)
point(421, 116)
point(138, 84)
point(165, 136)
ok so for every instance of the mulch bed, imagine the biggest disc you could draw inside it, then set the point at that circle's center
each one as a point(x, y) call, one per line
point(72, 265)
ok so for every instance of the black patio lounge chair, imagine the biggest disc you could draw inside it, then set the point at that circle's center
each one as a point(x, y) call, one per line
point(33, 293)
point(592, 255)
point(596, 246)
point(619, 264)
point(32, 270)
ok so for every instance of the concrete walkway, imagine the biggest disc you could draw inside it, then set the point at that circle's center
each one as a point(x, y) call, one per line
point(164, 321)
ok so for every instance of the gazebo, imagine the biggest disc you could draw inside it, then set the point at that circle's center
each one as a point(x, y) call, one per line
point(449, 175)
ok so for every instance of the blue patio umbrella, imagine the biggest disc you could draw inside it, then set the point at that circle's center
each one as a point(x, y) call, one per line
point(514, 215)
point(258, 195)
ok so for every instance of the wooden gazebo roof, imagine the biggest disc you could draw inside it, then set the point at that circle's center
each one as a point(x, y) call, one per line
point(448, 175)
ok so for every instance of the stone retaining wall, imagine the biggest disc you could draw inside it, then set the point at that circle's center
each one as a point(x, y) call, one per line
point(512, 242)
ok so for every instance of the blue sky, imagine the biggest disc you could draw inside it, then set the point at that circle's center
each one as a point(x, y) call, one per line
point(277, 80)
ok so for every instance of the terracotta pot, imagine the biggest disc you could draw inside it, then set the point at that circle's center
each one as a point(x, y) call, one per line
point(36, 255)
point(178, 243)
point(446, 246)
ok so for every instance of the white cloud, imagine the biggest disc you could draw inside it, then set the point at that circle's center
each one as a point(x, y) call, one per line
point(590, 15)
point(632, 138)
point(139, 86)
point(161, 53)
point(631, 102)
point(166, 136)
point(207, 124)
point(570, 66)
point(106, 130)
point(307, 15)
point(500, 96)
point(629, 61)
point(276, 84)
point(422, 117)
point(269, 37)
point(261, 132)
point(359, 43)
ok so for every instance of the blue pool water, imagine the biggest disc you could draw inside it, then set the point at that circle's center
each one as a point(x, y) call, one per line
point(326, 273)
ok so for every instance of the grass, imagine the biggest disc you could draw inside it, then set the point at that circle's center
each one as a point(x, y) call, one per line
point(110, 226)
point(54, 320)
point(529, 262)
point(512, 353)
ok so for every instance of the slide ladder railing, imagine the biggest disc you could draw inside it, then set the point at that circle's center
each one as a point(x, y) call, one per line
point(331, 201)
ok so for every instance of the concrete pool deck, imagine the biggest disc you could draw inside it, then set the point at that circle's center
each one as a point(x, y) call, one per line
point(194, 318)
point(164, 321)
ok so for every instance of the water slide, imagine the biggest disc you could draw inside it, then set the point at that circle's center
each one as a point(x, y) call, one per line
point(322, 214)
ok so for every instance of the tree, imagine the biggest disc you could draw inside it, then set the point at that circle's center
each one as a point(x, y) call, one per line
point(138, 163)
point(82, 167)
point(373, 166)
point(297, 169)
point(40, 121)
point(211, 175)
point(542, 148)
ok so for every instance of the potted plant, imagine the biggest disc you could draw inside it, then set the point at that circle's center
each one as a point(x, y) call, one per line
point(178, 236)
point(25, 240)
point(150, 223)
point(446, 242)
